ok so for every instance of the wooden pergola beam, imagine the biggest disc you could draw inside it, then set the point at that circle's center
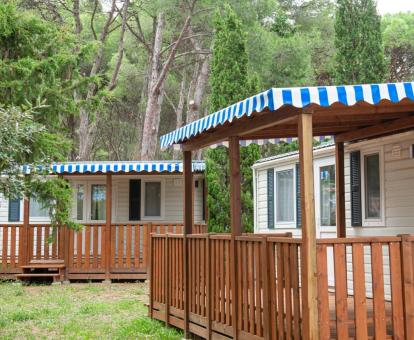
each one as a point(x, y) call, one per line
point(308, 251)
point(377, 130)
point(241, 127)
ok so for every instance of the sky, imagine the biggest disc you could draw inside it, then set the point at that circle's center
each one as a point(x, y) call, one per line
point(395, 6)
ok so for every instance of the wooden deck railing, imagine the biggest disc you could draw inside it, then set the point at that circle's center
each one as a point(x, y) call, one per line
point(365, 286)
point(84, 252)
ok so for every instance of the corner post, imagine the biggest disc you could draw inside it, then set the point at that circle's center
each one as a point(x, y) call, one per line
point(25, 245)
point(235, 223)
point(108, 227)
point(340, 189)
point(188, 227)
point(308, 253)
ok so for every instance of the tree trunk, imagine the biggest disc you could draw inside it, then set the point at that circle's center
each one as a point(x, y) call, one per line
point(153, 108)
point(179, 114)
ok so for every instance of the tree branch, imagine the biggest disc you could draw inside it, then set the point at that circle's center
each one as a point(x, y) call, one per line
point(171, 56)
point(121, 43)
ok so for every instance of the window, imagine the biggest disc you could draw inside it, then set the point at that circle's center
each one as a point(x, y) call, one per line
point(37, 209)
point(152, 199)
point(372, 186)
point(98, 202)
point(14, 210)
point(80, 196)
point(285, 209)
point(327, 195)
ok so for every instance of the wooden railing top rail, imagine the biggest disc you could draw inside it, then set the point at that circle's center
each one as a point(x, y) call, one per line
point(284, 240)
point(375, 239)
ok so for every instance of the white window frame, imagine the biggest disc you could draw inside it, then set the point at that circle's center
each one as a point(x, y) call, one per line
point(37, 218)
point(373, 222)
point(75, 199)
point(87, 202)
point(320, 163)
point(285, 224)
point(143, 184)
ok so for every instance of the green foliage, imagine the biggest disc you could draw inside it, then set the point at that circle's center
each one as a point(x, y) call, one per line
point(360, 54)
point(398, 33)
point(230, 82)
point(229, 63)
point(26, 142)
point(39, 63)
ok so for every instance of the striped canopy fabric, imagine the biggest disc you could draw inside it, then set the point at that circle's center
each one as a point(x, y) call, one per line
point(298, 97)
point(114, 167)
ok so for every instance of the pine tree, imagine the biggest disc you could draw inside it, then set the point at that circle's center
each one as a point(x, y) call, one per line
point(360, 53)
point(230, 82)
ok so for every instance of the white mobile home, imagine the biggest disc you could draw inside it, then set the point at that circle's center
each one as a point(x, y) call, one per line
point(379, 193)
point(119, 204)
point(379, 189)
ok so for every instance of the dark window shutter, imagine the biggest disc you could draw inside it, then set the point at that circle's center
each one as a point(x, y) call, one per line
point(134, 199)
point(14, 210)
point(298, 205)
point(356, 209)
point(270, 198)
point(204, 200)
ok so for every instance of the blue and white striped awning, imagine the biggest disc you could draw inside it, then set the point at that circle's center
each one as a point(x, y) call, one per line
point(125, 167)
point(298, 97)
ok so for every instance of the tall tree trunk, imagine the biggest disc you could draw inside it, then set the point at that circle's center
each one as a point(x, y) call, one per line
point(150, 131)
point(179, 114)
point(156, 88)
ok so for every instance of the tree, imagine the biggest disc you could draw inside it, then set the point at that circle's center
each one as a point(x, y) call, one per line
point(28, 143)
point(230, 82)
point(35, 57)
point(360, 54)
point(398, 33)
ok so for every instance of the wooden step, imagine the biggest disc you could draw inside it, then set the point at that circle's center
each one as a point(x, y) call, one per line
point(47, 261)
point(34, 274)
point(43, 266)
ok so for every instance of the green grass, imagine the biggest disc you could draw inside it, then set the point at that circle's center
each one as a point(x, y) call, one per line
point(78, 311)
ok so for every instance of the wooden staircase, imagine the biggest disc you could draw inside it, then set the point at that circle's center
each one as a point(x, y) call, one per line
point(54, 269)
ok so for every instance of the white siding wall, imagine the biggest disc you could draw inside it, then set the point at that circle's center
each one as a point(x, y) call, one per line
point(173, 198)
point(4, 209)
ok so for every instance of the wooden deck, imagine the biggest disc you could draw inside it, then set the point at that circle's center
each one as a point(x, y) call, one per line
point(351, 318)
point(84, 253)
point(368, 293)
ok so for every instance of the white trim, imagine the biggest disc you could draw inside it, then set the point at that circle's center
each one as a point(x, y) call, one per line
point(255, 226)
point(317, 164)
point(285, 224)
point(373, 222)
point(143, 183)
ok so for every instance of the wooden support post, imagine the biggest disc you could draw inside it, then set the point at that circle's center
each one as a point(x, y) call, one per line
point(235, 182)
point(108, 250)
point(167, 282)
point(188, 227)
point(407, 259)
point(340, 189)
point(265, 279)
point(150, 274)
point(25, 244)
point(209, 300)
point(235, 223)
point(308, 253)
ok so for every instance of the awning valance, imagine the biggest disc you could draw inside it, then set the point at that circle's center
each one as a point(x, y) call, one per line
point(125, 167)
point(298, 97)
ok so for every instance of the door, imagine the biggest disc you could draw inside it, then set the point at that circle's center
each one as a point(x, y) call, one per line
point(325, 205)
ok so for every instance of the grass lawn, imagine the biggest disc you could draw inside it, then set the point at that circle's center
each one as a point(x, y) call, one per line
point(78, 311)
